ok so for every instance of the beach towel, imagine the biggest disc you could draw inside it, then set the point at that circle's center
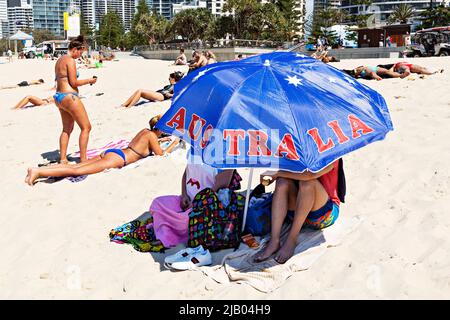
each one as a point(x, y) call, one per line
point(139, 233)
point(92, 153)
point(169, 220)
point(119, 144)
point(267, 276)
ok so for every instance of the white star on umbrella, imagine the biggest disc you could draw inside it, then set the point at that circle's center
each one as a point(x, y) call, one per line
point(300, 55)
point(201, 73)
point(349, 80)
point(294, 80)
point(332, 80)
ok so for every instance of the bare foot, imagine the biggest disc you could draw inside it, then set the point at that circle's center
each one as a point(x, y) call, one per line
point(286, 251)
point(28, 175)
point(63, 161)
point(33, 175)
point(265, 253)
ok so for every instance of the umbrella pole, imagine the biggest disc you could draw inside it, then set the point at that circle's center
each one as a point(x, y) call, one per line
point(247, 196)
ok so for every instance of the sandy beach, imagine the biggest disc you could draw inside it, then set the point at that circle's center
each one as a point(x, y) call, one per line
point(55, 235)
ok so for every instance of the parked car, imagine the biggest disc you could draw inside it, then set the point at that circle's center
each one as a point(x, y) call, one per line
point(54, 48)
point(430, 42)
point(29, 52)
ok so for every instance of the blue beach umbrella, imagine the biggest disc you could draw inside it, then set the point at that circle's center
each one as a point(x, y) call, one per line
point(278, 110)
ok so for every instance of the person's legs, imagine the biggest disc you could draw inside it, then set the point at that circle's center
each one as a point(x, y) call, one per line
point(133, 99)
point(75, 107)
point(420, 70)
point(311, 196)
point(22, 103)
point(111, 160)
point(67, 123)
point(387, 73)
point(283, 199)
point(152, 95)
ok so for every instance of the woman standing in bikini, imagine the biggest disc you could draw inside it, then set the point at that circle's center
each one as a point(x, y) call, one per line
point(144, 144)
point(67, 100)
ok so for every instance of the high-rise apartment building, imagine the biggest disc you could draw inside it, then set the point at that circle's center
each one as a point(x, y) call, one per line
point(195, 4)
point(381, 9)
point(3, 17)
point(216, 7)
point(20, 18)
point(49, 14)
point(94, 10)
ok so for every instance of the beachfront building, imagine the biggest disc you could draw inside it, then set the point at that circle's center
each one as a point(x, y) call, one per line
point(94, 10)
point(165, 7)
point(381, 9)
point(216, 7)
point(320, 5)
point(20, 18)
point(194, 4)
point(3, 18)
point(49, 14)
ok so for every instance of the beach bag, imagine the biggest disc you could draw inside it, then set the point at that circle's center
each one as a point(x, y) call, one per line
point(258, 221)
point(213, 225)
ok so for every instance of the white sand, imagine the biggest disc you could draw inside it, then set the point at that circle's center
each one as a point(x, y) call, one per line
point(55, 236)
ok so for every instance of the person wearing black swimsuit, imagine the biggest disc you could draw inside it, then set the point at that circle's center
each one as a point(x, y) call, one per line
point(159, 95)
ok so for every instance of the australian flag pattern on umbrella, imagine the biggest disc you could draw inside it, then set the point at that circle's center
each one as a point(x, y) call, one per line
point(281, 110)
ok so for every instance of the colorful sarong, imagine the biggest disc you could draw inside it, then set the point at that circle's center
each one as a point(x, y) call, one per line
point(139, 233)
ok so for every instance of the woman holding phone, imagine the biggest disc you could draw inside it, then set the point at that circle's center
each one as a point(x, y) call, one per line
point(67, 99)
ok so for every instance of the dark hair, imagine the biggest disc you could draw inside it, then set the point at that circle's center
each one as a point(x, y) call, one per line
point(177, 75)
point(77, 43)
point(41, 80)
point(181, 50)
point(240, 55)
point(349, 72)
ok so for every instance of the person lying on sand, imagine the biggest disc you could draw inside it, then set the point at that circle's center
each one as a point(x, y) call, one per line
point(35, 101)
point(160, 95)
point(323, 56)
point(144, 144)
point(313, 197)
point(24, 84)
point(405, 69)
point(377, 73)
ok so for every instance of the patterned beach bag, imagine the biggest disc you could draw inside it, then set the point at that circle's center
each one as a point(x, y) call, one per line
point(213, 225)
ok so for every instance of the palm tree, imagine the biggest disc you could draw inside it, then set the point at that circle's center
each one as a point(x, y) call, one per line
point(402, 14)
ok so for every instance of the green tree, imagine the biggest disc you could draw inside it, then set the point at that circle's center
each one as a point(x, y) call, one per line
point(435, 17)
point(40, 35)
point(111, 30)
point(85, 29)
point(243, 11)
point(153, 28)
point(192, 24)
point(401, 14)
point(288, 9)
point(135, 37)
point(219, 27)
point(275, 25)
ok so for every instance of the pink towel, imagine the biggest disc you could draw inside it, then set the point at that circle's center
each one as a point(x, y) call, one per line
point(91, 153)
point(170, 222)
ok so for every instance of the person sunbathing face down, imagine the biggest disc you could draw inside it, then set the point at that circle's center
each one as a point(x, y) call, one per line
point(144, 144)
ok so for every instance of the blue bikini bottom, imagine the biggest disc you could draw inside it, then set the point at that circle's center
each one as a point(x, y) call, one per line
point(118, 152)
point(59, 96)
